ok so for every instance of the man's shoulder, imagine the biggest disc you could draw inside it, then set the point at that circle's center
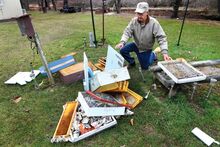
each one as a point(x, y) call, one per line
point(153, 20)
point(134, 19)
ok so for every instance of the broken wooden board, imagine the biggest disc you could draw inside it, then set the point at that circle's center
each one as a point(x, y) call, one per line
point(70, 54)
point(92, 131)
point(114, 60)
point(63, 129)
point(114, 87)
point(22, 78)
point(73, 73)
point(57, 65)
point(181, 72)
point(94, 107)
point(109, 77)
point(132, 98)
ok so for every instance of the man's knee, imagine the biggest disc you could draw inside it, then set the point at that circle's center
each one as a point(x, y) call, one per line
point(122, 50)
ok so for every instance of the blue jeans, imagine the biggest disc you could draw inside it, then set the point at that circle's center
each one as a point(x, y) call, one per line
point(145, 58)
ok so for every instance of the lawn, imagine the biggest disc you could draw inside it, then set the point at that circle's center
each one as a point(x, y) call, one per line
point(158, 121)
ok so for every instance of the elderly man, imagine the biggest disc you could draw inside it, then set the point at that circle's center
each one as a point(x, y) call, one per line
point(144, 29)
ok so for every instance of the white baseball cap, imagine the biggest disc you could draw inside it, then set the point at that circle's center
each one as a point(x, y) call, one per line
point(142, 7)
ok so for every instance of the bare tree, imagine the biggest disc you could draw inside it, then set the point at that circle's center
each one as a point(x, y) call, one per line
point(54, 5)
point(219, 6)
point(176, 5)
point(44, 5)
point(25, 4)
point(65, 3)
point(118, 6)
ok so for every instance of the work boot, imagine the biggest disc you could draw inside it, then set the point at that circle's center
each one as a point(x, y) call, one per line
point(131, 65)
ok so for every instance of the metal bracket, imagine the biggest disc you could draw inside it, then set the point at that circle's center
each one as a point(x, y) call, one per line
point(193, 90)
point(212, 84)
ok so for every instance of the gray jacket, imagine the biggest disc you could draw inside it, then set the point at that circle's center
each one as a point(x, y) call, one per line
point(144, 34)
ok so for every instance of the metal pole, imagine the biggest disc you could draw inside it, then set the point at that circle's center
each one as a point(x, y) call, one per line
point(142, 75)
point(93, 24)
point(187, 4)
point(103, 22)
point(43, 58)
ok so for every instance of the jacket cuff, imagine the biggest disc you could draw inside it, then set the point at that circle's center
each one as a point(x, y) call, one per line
point(164, 51)
point(122, 41)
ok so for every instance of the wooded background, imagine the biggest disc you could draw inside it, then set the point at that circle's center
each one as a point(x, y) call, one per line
point(210, 7)
point(213, 4)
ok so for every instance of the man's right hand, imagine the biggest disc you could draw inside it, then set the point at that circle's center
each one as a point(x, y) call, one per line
point(120, 45)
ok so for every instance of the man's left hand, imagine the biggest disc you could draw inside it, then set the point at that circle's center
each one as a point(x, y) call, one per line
point(166, 57)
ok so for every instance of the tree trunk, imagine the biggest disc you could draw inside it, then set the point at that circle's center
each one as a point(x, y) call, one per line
point(54, 5)
point(219, 6)
point(25, 4)
point(65, 4)
point(39, 5)
point(44, 5)
point(118, 6)
point(176, 5)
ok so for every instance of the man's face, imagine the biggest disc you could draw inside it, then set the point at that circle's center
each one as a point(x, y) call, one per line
point(142, 17)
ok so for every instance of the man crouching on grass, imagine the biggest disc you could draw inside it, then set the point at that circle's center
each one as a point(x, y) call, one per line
point(144, 29)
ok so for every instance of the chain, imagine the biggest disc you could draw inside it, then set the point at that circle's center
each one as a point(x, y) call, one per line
point(32, 75)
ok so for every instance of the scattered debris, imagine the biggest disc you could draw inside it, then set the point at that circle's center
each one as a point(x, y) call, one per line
point(70, 54)
point(73, 73)
point(94, 107)
point(204, 137)
point(101, 63)
point(95, 110)
point(132, 121)
point(22, 78)
point(57, 65)
point(17, 99)
point(147, 95)
point(114, 60)
point(109, 77)
point(82, 130)
point(74, 125)
point(154, 86)
point(63, 129)
point(27, 110)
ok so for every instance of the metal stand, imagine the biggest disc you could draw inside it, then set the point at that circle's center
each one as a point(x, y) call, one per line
point(140, 70)
point(43, 58)
point(172, 92)
point(187, 4)
point(26, 28)
point(93, 23)
point(212, 84)
point(32, 75)
point(193, 90)
point(103, 22)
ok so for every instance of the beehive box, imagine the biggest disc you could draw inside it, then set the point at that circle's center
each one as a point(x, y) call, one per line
point(73, 73)
point(10, 9)
point(181, 72)
point(63, 129)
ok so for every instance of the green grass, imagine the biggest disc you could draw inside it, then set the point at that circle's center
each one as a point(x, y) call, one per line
point(158, 121)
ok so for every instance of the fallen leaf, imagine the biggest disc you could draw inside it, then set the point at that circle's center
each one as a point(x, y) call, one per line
point(27, 110)
point(132, 121)
point(16, 99)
